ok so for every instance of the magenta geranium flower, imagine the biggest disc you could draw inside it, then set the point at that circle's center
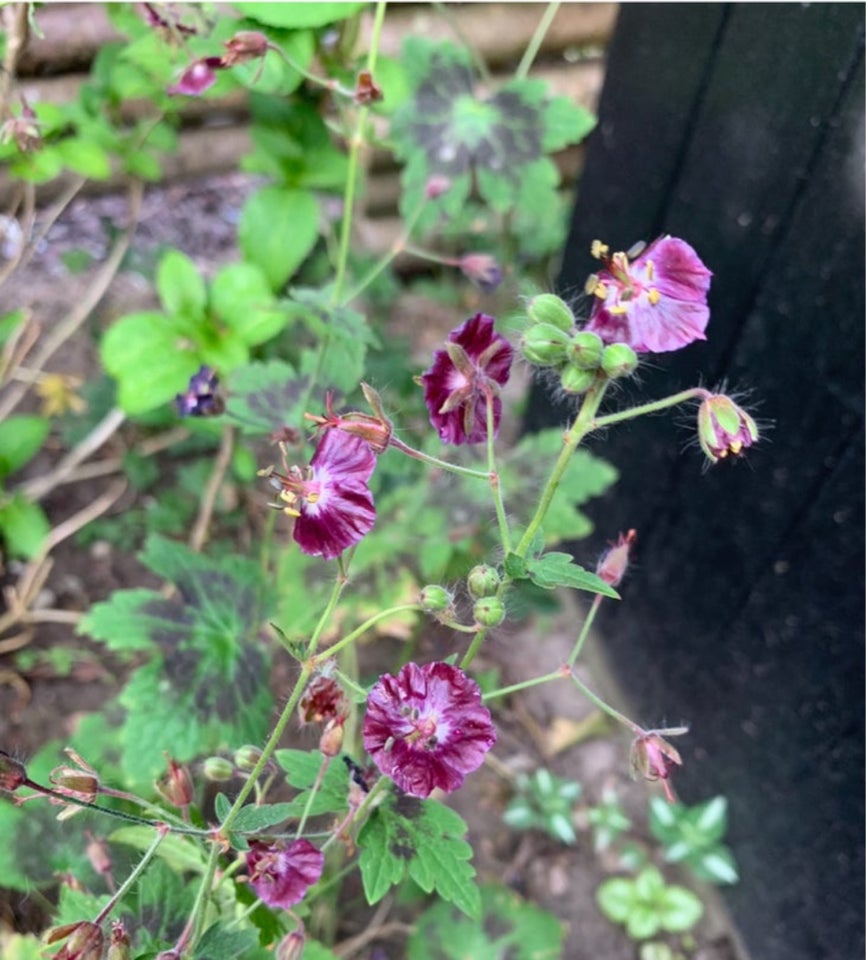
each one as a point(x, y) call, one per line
point(330, 499)
point(199, 76)
point(281, 874)
point(473, 366)
point(654, 303)
point(427, 727)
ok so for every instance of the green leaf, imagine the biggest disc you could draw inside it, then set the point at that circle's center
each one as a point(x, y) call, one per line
point(9, 324)
point(616, 898)
point(507, 927)
point(85, 157)
point(152, 356)
point(516, 567)
point(298, 16)
point(20, 440)
point(643, 922)
point(552, 570)
point(19, 946)
point(23, 526)
point(221, 943)
point(278, 228)
point(679, 909)
point(255, 819)
point(422, 840)
point(181, 288)
point(241, 298)
point(712, 818)
point(302, 769)
point(180, 853)
point(565, 122)
point(266, 396)
point(202, 686)
point(717, 866)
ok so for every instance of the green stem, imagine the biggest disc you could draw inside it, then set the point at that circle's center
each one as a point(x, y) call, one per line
point(198, 908)
point(559, 674)
point(584, 631)
point(474, 647)
point(355, 145)
point(320, 776)
point(534, 44)
point(436, 462)
point(694, 393)
point(352, 684)
point(495, 485)
point(365, 626)
point(433, 257)
point(333, 600)
point(606, 707)
point(120, 893)
point(582, 425)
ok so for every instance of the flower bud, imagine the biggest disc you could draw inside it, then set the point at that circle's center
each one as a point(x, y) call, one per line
point(245, 45)
point(247, 757)
point(613, 565)
point(291, 947)
point(218, 769)
point(548, 308)
point(435, 599)
point(618, 360)
point(585, 350)
point(544, 345)
point(12, 773)
point(86, 941)
point(331, 740)
point(724, 428)
point(575, 380)
point(118, 948)
point(489, 611)
point(176, 787)
point(483, 581)
point(436, 186)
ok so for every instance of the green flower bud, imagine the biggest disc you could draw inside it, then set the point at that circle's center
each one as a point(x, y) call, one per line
point(435, 599)
point(247, 757)
point(218, 769)
point(575, 380)
point(618, 360)
point(483, 581)
point(544, 345)
point(489, 611)
point(548, 308)
point(585, 350)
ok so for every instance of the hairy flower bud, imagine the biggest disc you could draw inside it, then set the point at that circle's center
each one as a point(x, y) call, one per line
point(245, 45)
point(118, 947)
point(489, 611)
point(585, 349)
point(575, 380)
point(724, 428)
point(86, 941)
point(176, 787)
point(548, 308)
point(331, 740)
point(218, 769)
point(435, 599)
point(544, 345)
point(618, 360)
point(247, 757)
point(483, 581)
point(291, 947)
point(613, 565)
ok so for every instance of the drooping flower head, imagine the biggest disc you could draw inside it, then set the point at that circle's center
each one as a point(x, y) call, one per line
point(482, 269)
point(200, 399)
point(323, 700)
point(427, 727)
point(614, 563)
point(724, 428)
point(654, 303)
point(376, 430)
point(475, 363)
point(330, 499)
point(653, 758)
point(281, 874)
point(199, 76)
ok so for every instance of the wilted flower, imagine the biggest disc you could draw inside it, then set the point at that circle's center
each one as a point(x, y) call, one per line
point(323, 700)
point(653, 758)
point(464, 376)
point(86, 941)
point(200, 398)
point(199, 76)
point(613, 565)
point(281, 874)
point(23, 129)
point(427, 727)
point(176, 786)
point(366, 89)
point(13, 773)
point(330, 499)
point(482, 269)
point(245, 45)
point(724, 427)
point(655, 303)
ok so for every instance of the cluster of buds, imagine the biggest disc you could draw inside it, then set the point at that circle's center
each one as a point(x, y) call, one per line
point(580, 357)
point(483, 582)
point(220, 769)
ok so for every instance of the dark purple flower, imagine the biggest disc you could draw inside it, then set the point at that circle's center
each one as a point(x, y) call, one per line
point(330, 499)
point(427, 727)
point(200, 398)
point(653, 758)
point(476, 361)
point(654, 303)
point(280, 874)
point(198, 77)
